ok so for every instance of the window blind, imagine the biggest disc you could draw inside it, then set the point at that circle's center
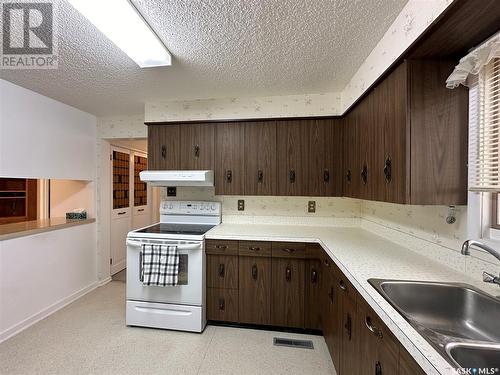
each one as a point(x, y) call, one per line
point(484, 132)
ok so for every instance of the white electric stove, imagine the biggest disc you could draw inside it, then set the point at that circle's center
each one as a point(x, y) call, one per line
point(181, 307)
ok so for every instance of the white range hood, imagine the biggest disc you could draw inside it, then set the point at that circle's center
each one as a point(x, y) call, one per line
point(178, 178)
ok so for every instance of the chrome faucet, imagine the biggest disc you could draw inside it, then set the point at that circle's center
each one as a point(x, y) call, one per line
point(487, 277)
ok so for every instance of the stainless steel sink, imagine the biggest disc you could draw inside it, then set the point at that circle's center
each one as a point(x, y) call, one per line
point(474, 355)
point(460, 321)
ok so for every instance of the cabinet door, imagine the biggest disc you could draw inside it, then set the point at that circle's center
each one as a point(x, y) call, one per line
point(378, 118)
point(287, 308)
point(222, 271)
point(293, 157)
point(331, 317)
point(163, 147)
point(254, 290)
point(312, 306)
point(377, 347)
point(396, 159)
point(260, 158)
point(229, 159)
point(222, 304)
point(197, 146)
point(351, 177)
point(364, 118)
point(325, 157)
point(349, 357)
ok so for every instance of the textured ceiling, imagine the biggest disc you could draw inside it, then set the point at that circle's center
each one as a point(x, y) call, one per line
point(221, 48)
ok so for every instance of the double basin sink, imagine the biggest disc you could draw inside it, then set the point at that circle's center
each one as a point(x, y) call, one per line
point(461, 322)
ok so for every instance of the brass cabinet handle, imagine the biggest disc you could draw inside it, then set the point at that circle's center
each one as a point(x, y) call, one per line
point(260, 176)
point(255, 272)
point(196, 151)
point(314, 276)
point(163, 151)
point(348, 326)
point(373, 329)
point(252, 248)
point(288, 250)
point(342, 285)
point(222, 304)
point(292, 176)
point(222, 270)
point(388, 169)
point(229, 176)
point(288, 274)
point(364, 174)
point(326, 175)
point(348, 176)
point(221, 247)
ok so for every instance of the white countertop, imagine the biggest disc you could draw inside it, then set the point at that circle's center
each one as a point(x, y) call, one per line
point(362, 255)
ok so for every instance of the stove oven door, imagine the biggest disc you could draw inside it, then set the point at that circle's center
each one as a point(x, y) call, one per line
point(189, 291)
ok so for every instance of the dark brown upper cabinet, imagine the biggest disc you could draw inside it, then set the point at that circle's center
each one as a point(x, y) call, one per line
point(260, 158)
point(324, 168)
point(411, 132)
point(229, 158)
point(197, 146)
point(351, 178)
point(163, 147)
point(292, 147)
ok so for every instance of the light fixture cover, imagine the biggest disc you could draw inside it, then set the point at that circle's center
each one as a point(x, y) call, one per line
point(120, 21)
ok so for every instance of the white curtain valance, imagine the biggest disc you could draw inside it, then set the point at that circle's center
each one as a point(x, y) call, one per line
point(474, 61)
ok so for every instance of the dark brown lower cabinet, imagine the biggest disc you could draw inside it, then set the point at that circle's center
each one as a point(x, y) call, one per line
point(222, 304)
point(287, 304)
point(312, 293)
point(377, 347)
point(298, 285)
point(255, 290)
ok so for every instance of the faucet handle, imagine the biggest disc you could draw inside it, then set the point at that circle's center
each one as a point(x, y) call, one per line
point(490, 278)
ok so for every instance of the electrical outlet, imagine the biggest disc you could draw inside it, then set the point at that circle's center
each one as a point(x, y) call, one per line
point(311, 207)
point(241, 205)
point(171, 191)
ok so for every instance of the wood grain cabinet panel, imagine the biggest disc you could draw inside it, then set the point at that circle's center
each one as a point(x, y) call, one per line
point(222, 271)
point(378, 348)
point(349, 353)
point(222, 304)
point(407, 365)
point(163, 147)
point(312, 294)
point(197, 146)
point(254, 248)
point(260, 158)
point(221, 247)
point(287, 304)
point(288, 250)
point(229, 159)
point(351, 178)
point(293, 157)
point(254, 290)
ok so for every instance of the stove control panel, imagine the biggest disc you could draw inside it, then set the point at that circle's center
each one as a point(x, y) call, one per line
point(198, 208)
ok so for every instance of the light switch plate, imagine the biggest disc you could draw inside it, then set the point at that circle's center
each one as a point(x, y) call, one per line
point(241, 205)
point(311, 207)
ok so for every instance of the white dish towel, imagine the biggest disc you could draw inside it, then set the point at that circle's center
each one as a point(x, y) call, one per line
point(160, 265)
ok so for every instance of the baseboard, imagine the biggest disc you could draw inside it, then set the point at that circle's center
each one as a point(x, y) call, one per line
point(115, 268)
point(105, 281)
point(28, 322)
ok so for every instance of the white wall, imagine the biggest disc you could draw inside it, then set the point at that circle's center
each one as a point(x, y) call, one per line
point(43, 138)
point(41, 273)
point(67, 195)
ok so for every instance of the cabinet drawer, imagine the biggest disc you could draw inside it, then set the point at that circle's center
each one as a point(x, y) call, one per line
point(222, 304)
point(222, 271)
point(344, 286)
point(221, 247)
point(255, 249)
point(289, 250)
point(313, 251)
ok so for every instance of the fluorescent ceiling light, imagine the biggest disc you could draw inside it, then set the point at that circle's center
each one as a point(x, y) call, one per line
point(120, 21)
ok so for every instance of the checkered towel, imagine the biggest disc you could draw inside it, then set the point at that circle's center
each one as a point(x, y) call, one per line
point(160, 265)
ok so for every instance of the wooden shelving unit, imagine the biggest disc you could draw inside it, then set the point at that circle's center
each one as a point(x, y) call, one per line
point(121, 175)
point(18, 200)
point(140, 188)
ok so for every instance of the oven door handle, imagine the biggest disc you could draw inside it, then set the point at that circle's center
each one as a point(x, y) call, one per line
point(195, 246)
